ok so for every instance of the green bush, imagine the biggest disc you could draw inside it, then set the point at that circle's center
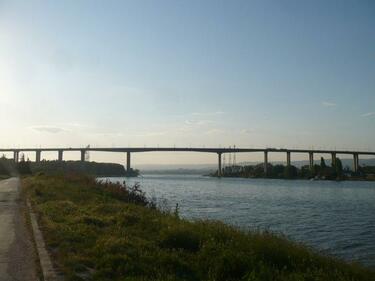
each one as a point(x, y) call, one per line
point(180, 237)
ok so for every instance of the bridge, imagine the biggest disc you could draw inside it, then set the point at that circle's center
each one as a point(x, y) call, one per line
point(219, 151)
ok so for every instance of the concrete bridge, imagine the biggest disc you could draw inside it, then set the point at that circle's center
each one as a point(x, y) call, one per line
point(218, 151)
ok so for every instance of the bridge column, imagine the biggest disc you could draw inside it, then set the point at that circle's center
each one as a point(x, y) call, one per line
point(356, 162)
point(60, 157)
point(128, 167)
point(333, 155)
point(83, 154)
point(288, 159)
point(265, 163)
point(15, 156)
point(38, 154)
point(311, 160)
point(219, 171)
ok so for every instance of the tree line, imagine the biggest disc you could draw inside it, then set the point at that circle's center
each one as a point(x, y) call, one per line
point(24, 167)
point(318, 171)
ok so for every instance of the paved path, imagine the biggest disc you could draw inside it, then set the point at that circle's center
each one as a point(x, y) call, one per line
point(17, 255)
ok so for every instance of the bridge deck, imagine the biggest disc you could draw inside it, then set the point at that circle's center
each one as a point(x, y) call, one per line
point(189, 149)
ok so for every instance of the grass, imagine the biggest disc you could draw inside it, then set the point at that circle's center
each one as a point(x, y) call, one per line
point(104, 232)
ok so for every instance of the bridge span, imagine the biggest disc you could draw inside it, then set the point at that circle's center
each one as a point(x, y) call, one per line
point(218, 150)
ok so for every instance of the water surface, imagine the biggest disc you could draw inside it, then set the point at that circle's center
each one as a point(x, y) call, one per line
point(334, 217)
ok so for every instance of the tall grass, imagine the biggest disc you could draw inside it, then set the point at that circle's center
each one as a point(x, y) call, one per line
point(105, 231)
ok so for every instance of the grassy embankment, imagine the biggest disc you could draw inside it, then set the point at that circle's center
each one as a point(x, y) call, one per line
point(103, 232)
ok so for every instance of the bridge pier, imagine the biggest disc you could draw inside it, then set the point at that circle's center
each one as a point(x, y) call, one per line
point(333, 155)
point(15, 156)
point(288, 159)
point(311, 160)
point(128, 167)
point(356, 162)
point(38, 154)
point(265, 163)
point(219, 171)
point(83, 154)
point(60, 157)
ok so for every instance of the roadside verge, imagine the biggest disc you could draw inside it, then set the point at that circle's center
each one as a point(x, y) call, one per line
point(48, 271)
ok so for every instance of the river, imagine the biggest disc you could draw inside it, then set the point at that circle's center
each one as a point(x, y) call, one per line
point(337, 218)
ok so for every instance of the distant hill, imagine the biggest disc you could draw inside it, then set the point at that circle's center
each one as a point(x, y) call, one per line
point(203, 171)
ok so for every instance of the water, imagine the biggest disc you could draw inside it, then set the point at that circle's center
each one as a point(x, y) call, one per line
point(333, 217)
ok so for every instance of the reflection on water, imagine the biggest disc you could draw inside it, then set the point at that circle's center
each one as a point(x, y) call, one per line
point(333, 217)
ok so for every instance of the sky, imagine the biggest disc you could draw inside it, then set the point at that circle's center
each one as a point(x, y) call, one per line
point(288, 74)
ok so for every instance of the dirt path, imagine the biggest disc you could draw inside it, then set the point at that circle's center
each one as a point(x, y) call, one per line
point(17, 255)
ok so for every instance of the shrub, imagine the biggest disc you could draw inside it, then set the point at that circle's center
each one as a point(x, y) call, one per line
point(180, 237)
point(129, 194)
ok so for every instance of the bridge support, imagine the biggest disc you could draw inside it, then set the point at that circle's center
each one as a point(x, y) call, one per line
point(15, 156)
point(356, 162)
point(60, 157)
point(128, 167)
point(38, 154)
point(288, 159)
point(219, 171)
point(265, 163)
point(333, 155)
point(83, 154)
point(311, 160)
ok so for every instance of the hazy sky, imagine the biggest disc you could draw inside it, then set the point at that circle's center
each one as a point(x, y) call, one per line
point(187, 73)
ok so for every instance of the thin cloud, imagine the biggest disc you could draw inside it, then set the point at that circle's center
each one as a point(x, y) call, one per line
point(74, 125)
point(140, 134)
point(48, 129)
point(246, 132)
point(207, 113)
point(150, 134)
point(107, 134)
point(328, 104)
point(197, 122)
point(368, 114)
point(214, 132)
point(198, 114)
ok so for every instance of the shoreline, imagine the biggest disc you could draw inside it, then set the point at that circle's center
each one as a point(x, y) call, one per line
point(141, 175)
point(292, 179)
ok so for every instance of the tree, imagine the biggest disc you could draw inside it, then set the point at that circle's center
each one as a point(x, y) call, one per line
point(305, 172)
point(322, 163)
point(339, 168)
point(23, 166)
point(22, 158)
point(277, 171)
point(290, 172)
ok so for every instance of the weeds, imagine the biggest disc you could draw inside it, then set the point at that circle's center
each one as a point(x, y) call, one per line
point(109, 231)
